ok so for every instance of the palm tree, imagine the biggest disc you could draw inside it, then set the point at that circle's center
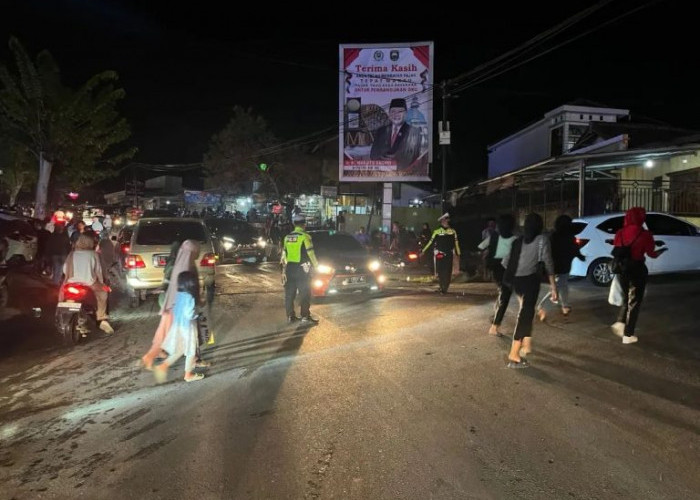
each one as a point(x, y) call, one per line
point(59, 126)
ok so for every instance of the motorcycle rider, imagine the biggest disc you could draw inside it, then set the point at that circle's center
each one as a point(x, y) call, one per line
point(446, 242)
point(83, 266)
point(297, 258)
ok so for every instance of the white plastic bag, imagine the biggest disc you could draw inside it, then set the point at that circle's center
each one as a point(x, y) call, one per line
point(616, 297)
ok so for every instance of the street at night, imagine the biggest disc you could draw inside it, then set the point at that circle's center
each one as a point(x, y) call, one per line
point(402, 395)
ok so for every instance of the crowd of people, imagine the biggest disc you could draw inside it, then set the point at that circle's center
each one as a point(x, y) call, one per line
point(519, 264)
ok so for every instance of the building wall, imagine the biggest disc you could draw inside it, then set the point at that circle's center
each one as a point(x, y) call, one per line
point(525, 149)
point(532, 144)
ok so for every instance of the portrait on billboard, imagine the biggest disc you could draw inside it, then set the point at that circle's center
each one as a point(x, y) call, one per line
point(386, 113)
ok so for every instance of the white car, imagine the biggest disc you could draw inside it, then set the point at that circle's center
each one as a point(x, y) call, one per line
point(21, 238)
point(593, 233)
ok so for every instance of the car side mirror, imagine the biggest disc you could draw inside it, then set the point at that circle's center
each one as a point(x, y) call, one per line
point(659, 243)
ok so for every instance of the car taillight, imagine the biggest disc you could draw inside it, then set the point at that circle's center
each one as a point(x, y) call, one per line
point(74, 292)
point(135, 262)
point(209, 260)
point(125, 248)
point(581, 242)
point(412, 256)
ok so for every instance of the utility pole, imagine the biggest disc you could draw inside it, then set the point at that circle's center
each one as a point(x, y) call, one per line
point(444, 132)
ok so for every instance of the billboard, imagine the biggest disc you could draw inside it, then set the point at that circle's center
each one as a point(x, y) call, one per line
point(386, 112)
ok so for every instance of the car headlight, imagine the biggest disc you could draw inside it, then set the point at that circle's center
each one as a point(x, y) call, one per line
point(324, 269)
point(228, 245)
point(261, 242)
point(374, 265)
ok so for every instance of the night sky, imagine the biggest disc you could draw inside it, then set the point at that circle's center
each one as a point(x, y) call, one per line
point(185, 67)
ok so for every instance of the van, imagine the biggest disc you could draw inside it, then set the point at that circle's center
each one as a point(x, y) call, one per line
point(149, 250)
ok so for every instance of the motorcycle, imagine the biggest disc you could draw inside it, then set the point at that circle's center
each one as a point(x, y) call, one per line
point(76, 312)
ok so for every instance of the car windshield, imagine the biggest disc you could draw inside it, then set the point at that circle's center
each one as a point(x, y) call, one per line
point(230, 227)
point(160, 232)
point(335, 242)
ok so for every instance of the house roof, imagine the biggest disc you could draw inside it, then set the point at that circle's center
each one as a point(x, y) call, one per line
point(639, 134)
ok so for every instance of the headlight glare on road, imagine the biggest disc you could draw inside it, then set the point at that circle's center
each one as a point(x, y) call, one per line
point(374, 265)
point(324, 269)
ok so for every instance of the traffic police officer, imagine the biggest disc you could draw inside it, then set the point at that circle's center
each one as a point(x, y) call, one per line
point(298, 257)
point(445, 239)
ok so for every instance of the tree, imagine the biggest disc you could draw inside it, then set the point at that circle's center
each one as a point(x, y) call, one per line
point(73, 130)
point(232, 157)
point(18, 170)
point(235, 155)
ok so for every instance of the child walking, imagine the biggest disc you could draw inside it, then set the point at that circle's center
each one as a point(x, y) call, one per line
point(182, 335)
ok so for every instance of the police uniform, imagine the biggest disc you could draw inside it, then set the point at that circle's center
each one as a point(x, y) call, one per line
point(298, 258)
point(445, 241)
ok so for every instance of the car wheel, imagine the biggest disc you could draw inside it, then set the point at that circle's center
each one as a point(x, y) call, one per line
point(599, 272)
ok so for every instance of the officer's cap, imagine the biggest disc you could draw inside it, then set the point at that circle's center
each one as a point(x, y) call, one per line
point(446, 215)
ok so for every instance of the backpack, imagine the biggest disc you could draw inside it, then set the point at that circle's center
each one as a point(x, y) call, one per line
point(622, 256)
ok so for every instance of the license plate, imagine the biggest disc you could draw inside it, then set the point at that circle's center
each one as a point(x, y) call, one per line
point(353, 279)
point(160, 260)
point(73, 306)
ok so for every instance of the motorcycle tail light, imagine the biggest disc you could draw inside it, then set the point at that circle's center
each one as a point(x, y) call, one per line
point(125, 248)
point(74, 292)
point(135, 262)
point(412, 256)
point(209, 260)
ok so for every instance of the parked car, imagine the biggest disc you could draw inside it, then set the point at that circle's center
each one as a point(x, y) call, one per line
point(595, 233)
point(21, 237)
point(237, 240)
point(345, 266)
point(150, 247)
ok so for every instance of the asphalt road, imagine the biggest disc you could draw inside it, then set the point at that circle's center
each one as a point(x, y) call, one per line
point(402, 396)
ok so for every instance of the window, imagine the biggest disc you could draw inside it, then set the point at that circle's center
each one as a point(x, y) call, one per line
point(575, 133)
point(664, 225)
point(155, 232)
point(601, 118)
point(556, 143)
point(580, 117)
point(611, 225)
point(579, 226)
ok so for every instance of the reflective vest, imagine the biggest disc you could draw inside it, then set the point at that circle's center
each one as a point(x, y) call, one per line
point(298, 247)
point(445, 240)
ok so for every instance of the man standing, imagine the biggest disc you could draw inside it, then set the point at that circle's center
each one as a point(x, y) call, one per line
point(446, 243)
point(298, 258)
point(397, 141)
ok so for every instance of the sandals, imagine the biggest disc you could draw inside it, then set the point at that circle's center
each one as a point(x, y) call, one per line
point(541, 315)
point(566, 311)
point(160, 373)
point(518, 364)
point(194, 377)
point(200, 363)
point(142, 363)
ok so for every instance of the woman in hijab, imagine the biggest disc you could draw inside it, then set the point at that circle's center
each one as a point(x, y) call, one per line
point(185, 261)
point(522, 271)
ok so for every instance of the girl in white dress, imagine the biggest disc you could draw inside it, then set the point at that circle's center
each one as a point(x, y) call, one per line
point(182, 335)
